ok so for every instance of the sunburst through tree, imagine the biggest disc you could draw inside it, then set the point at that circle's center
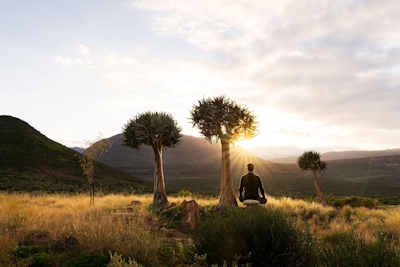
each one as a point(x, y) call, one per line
point(227, 122)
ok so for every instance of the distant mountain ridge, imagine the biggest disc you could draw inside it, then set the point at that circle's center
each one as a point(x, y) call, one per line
point(78, 149)
point(192, 150)
point(30, 162)
point(359, 154)
point(195, 165)
point(339, 155)
point(198, 150)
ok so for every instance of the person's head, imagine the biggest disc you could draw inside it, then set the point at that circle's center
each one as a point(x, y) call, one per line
point(250, 167)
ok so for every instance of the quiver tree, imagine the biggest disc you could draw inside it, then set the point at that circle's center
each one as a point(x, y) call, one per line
point(159, 131)
point(88, 159)
point(311, 160)
point(226, 121)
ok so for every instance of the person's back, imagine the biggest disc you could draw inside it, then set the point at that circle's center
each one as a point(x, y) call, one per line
point(251, 184)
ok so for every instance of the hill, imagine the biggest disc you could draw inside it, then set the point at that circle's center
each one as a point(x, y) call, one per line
point(360, 154)
point(338, 155)
point(29, 161)
point(195, 165)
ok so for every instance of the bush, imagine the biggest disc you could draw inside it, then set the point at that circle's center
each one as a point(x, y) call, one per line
point(353, 201)
point(185, 193)
point(350, 249)
point(88, 261)
point(33, 256)
point(262, 237)
point(116, 260)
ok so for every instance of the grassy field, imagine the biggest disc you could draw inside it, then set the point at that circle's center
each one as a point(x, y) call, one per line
point(61, 230)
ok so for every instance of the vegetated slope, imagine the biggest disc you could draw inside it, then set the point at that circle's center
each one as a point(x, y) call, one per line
point(359, 154)
point(372, 177)
point(195, 165)
point(338, 155)
point(185, 167)
point(29, 161)
point(192, 150)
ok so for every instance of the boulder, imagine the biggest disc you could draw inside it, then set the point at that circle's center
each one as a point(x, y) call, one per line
point(190, 214)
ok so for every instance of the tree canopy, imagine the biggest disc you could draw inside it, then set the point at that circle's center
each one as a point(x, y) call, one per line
point(159, 131)
point(225, 120)
point(222, 118)
point(151, 128)
point(311, 160)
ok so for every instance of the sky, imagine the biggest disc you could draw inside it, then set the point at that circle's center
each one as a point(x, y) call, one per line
point(321, 75)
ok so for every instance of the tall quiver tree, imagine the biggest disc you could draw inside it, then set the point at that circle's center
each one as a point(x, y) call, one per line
point(223, 119)
point(88, 159)
point(159, 131)
point(311, 160)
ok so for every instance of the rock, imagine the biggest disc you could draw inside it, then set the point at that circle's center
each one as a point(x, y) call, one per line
point(136, 203)
point(190, 214)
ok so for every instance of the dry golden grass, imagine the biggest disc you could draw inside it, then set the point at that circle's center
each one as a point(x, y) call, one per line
point(392, 223)
point(61, 221)
point(323, 221)
point(66, 221)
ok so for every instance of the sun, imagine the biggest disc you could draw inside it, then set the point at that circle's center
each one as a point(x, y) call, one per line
point(246, 144)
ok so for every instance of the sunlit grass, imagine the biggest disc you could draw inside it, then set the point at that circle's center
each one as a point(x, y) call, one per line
point(52, 219)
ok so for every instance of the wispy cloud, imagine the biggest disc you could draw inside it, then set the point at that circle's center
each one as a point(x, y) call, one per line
point(327, 61)
point(314, 72)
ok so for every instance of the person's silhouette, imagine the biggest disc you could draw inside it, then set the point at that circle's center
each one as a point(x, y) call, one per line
point(252, 185)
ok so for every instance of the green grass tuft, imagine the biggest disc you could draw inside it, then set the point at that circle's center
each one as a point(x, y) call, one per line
point(262, 237)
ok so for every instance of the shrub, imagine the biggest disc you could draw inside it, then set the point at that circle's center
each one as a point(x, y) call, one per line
point(34, 256)
point(262, 237)
point(88, 261)
point(23, 252)
point(116, 260)
point(350, 249)
point(353, 201)
point(185, 193)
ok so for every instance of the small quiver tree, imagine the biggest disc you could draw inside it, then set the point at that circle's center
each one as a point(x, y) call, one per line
point(159, 131)
point(88, 159)
point(224, 120)
point(311, 160)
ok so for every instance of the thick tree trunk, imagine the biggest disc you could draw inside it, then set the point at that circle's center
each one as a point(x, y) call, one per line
point(160, 195)
point(318, 188)
point(227, 195)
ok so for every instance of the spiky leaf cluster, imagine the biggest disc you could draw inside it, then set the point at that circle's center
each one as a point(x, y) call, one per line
point(221, 117)
point(151, 128)
point(311, 160)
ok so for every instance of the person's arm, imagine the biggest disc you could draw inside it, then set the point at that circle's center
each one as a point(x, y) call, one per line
point(241, 190)
point(241, 187)
point(261, 188)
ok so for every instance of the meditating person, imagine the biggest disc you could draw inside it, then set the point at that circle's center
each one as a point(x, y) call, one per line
point(252, 185)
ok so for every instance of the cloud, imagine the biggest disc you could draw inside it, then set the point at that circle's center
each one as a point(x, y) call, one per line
point(84, 50)
point(77, 62)
point(313, 71)
point(84, 60)
point(334, 62)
